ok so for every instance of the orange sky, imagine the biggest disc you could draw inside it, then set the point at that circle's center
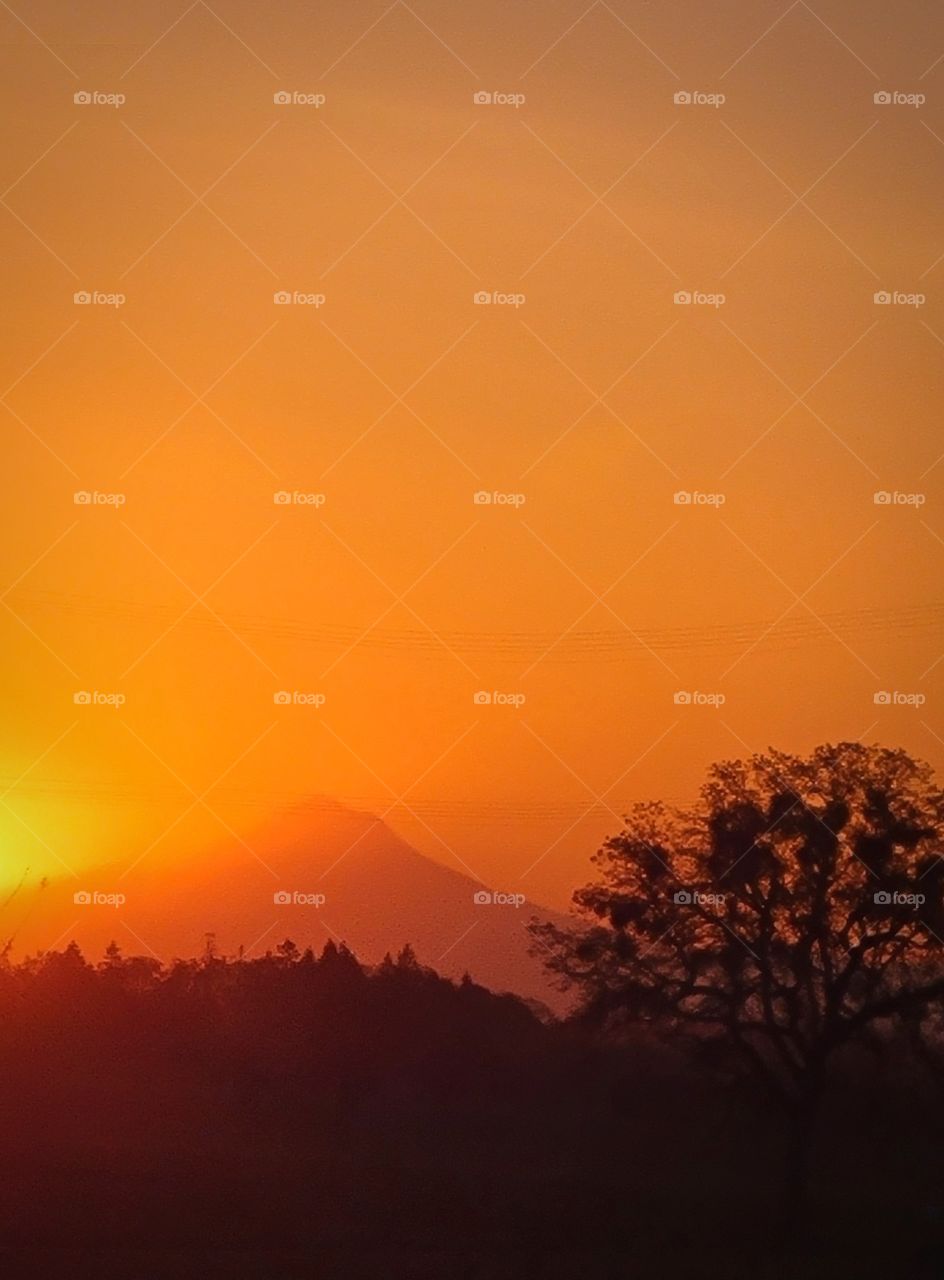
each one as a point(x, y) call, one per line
point(399, 597)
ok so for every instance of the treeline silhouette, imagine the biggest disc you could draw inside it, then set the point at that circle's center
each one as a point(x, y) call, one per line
point(302, 1115)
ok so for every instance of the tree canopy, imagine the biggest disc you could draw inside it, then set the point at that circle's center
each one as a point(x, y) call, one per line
point(796, 908)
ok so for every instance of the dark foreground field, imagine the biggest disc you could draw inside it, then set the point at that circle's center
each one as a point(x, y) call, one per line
point(295, 1117)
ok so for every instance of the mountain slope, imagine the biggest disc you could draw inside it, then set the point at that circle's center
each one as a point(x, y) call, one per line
point(345, 874)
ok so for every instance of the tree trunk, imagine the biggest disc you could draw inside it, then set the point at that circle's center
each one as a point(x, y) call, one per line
point(796, 1184)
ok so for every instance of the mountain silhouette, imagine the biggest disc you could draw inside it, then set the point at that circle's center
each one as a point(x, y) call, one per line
point(344, 874)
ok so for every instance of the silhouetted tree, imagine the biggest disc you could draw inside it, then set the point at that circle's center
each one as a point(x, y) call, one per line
point(345, 1107)
point(288, 952)
point(796, 910)
point(339, 964)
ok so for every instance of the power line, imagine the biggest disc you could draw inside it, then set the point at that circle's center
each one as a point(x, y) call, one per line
point(613, 643)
